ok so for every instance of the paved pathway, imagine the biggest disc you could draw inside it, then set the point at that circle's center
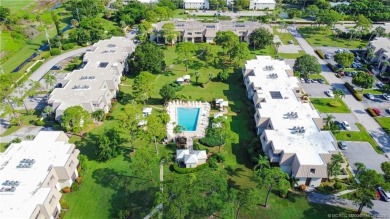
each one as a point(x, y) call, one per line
point(379, 210)
point(21, 133)
point(380, 136)
point(159, 207)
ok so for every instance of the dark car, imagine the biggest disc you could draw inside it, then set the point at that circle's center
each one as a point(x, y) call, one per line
point(56, 67)
point(307, 80)
point(321, 81)
point(385, 196)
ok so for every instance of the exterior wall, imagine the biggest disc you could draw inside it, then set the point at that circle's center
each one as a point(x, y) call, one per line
point(191, 165)
point(196, 5)
point(50, 207)
point(315, 182)
point(258, 6)
point(201, 161)
point(209, 39)
point(51, 179)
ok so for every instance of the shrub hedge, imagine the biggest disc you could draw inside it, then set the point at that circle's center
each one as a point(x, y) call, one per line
point(55, 52)
point(320, 54)
point(331, 67)
point(75, 186)
point(354, 93)
point(180, 170)
point(66, 190)
point(371, 112)
point(67, 46)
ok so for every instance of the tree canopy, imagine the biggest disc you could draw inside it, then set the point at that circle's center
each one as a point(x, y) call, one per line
point(167, 92)
point(363, 80)
point(143, 86)
point(344, 58)
point(75, 119)
point(186, 51)
point(307, 64)
point(108, 144)
point(147, 57)
point(261, 37)
point(130, 117)
point(169, 33)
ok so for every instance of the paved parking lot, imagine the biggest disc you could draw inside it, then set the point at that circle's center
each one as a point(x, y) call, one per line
point(364, 153)
point(340, 117)
point(316, 89)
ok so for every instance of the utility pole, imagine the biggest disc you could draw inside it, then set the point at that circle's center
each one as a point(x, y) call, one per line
point(48, 38)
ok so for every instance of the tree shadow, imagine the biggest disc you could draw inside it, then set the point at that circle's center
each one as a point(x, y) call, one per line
point(132, 193)
point(242, 122)
point(87, 145)
point(195, 65)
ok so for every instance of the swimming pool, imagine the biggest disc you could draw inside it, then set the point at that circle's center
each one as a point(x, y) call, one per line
point(188, 118)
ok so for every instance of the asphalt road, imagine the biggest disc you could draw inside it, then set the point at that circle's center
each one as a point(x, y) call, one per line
point(358, 109)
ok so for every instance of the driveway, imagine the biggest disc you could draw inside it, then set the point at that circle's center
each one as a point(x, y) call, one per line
point(316, 90)
point(364, 153)
point(377, 132)
point(379, 210)
point(21, 133)
point(340, 117)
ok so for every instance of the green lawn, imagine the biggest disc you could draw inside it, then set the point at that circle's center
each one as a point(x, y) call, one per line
point(384, 122)
point(323, 105)
point(15, 5)
point(284, 36)
point(291, 55)
point(109, 186)
point(295, 206)
point(371, 91)
point(3, 147)
point(7, 43)
point(316, 37)
point(361, 135)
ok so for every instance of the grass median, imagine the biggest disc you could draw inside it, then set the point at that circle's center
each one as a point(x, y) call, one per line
point(327, 105)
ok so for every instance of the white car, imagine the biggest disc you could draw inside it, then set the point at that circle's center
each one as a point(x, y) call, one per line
point(386, 96)
point(345, 124)
point(329, 93)
point(370, 96)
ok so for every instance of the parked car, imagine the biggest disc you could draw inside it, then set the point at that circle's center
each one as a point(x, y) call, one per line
point(342, 145)
point(385, 196)
point(353, 73)
point(370, 96)
point(347, 73)
point(313, 81)
point(327, 56)
point(290, 42)
point(56, 67)
point(386, 96)
point(302, 80)
point(346, 125)
point(321, 81)
point(329, 93)
point(379, 85)
point(307, 80)
point(377, 111)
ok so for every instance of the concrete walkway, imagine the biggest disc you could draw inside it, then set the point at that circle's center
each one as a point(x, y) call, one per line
point(380, 209)
point(159, 207)
point(379, 135)
point(21, 133)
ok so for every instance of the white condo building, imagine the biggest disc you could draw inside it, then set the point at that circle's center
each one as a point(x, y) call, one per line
point(33, 172)
point(262, 4)
point(93, 86)
point(289, 128)
point(196, 4)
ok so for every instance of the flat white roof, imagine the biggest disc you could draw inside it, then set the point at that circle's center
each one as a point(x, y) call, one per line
point(147, 110)
point(104, 63)
point(195, 1)
point(264, 1)
point(47, 152)
point(307, 146)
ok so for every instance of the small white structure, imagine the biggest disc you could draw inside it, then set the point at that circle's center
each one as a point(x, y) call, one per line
point(147, 111)
point(262, 4)
point(180, 80)
point(148, 1)
point(142, 123)
point(187, 78)
point(196, 4)
point(191, 158)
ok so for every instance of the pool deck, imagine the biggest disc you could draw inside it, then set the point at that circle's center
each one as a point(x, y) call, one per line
point(203, 119)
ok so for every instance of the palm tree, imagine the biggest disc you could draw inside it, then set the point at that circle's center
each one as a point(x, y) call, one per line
point(384, 65)
point(339, 94)
point(197, 75)
point(328, 121)
point(262, 162)
point(277, 44)
point(334, 168)
point(49, 80)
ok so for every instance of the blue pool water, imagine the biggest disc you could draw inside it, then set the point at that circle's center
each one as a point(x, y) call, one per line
point(188, 118)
